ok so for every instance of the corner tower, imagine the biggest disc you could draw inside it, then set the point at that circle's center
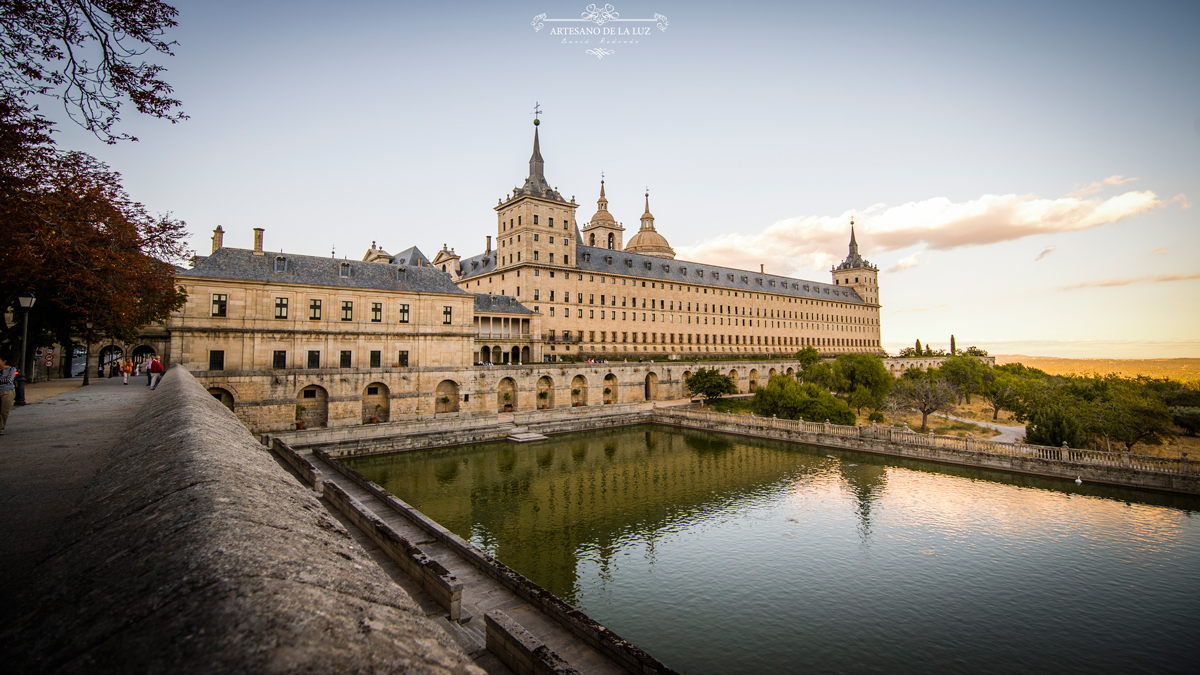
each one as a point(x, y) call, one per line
point(603, 230)
point(535, 225)
point(857, 273)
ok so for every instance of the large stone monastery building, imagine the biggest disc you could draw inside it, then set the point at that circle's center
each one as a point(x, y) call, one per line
point(601, 299)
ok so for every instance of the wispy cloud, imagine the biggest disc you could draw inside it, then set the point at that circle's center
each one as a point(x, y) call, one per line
point(1093, 188)
point(1045, 252)
point(1185, 204)
point(1125, 281)
point(905, 263)
point(939, 224)
point(918, 309)
point(1161, 250)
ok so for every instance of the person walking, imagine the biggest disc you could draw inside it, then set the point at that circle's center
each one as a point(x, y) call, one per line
point(126, 370)
point(8, 390)
point(156, 371)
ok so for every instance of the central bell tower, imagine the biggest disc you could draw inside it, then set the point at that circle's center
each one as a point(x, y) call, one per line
point(535, 225)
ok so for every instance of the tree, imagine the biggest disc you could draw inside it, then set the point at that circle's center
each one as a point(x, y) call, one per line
point(88, 54)
point(808, 357)
point(918, 347)
point(1054, 425)
point(1187, 418)
point(74, 237)
point(966, 373)
point(862, 379)
point(710, 384)
point(1135, 415)
point(786, 398)
point(1000, 389)
point(926, 395)
point(953, 346)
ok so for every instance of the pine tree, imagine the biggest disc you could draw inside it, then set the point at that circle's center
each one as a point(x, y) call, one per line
point(919, 352)
point(953, 348)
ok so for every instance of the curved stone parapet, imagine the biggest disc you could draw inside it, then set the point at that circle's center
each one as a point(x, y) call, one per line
point(196, 552)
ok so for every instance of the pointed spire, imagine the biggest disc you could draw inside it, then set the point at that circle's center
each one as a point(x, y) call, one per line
point(647, 217)
point(536, 164)
point(602, 203)
point(853, 242)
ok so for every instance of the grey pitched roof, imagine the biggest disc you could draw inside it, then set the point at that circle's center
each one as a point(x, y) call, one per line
point(489, 303)
point(649, 267)
point(412, 257)
point(242, 264)
point(477, 265)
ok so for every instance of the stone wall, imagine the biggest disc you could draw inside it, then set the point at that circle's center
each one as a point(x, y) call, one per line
point(199, 553)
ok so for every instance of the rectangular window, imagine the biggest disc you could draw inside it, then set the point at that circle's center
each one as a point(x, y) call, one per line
point(551, 257)
point(591, 336)
point(535, 255)
point(592, 299)
point(314, 359)
point(218, 304)
point(279, 360)
point(345, 360)
point(403, 314)
point(281, 305)
point(347, 310)
point(314, 310)
point(535, 238)
point(376, 312)
point(402, 359)
point(551, 296)
point(344, 270)
point(551, 222)
point(447, 314)
point(537, 294)
point(535, 220)
point(310, 393)
point(376, 359)
point(216, 359)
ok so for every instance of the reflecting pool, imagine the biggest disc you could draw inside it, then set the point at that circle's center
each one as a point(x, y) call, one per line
point(725, 554)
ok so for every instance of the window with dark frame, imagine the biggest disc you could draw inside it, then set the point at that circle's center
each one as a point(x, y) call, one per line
point(345, 361)
point(447, 314)
point(402, 359)
point(376, 359)
point(281, 308)
point(403, 314)
point(216, 359)
point(279, 360)
point(314, 359)
point(309, 393)
point(347, 310)
point(376, 312)
point(344, 270)
point(314, 310)
point(219, 302)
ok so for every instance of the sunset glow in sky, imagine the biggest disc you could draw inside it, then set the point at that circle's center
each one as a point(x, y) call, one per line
point(1023, 174)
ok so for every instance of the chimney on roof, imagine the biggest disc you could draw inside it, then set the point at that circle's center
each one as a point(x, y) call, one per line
point(489, 245)
point(761, 268)
point(258, 232)
point(218, 238)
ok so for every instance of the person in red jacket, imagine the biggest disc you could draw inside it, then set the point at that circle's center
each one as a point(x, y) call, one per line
point(156, 371)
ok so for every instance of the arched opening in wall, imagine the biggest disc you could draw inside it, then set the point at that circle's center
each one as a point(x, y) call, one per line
point(610, 388)
point(524, 354)
point(485, 355)
point(446, 397)
point(376, 403)
point(312, 407)
point(516, 355)
point(506, 395)
point(110, 360)
point(771, 374)
point(790, 372)
point(592, 239)
point(753, 379)
point(611, 241)
point(142, 354)
point(223, 396)
point(545, 393)
point(733, 375)
point(579, 391)
point(651, 392)
point(497, 355)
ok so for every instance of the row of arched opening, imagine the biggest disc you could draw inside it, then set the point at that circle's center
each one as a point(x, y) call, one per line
point(110, 358)
point(498, 356)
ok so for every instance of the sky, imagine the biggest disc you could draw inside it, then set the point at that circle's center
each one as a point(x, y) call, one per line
point(1023, 174)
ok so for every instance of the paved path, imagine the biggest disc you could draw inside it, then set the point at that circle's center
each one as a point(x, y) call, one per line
point(48, 455)
point(1007, 434)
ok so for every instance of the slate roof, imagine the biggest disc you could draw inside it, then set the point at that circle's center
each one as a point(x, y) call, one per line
point(490, 303)
point(242, 264)
point(595, 260)
point(412, 257)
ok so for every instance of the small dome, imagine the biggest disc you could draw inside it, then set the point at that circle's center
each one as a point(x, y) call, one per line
point(650, 242)
point(603, 216)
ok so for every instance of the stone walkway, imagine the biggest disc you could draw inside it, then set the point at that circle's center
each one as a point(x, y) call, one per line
point(48, 455)
point(1007, 434)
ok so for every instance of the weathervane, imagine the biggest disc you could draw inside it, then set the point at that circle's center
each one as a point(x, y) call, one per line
point(537, 111)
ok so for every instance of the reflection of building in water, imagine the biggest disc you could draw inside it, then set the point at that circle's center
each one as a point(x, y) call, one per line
point(865, 483)
point(540, 509)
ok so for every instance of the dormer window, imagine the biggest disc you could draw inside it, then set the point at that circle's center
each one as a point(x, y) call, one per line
point(344, 270)
point(280, 264)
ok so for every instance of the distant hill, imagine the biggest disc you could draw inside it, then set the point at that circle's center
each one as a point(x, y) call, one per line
point(1176, 369)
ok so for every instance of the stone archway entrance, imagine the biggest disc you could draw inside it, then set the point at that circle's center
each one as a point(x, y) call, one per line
point(312, 407)
point(733, 375)
point(446, 397)
point(610, 389)
point(651, 392)
point(545, 393)
point(506, 395)
point(223, 396)
point(142, 354)
point(485, 354)
point(753, 379)
point(376, 403)
point(579, 391)
point(110, 360)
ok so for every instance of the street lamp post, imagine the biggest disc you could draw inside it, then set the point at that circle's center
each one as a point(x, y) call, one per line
point(87, 354)
point(26, 299)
